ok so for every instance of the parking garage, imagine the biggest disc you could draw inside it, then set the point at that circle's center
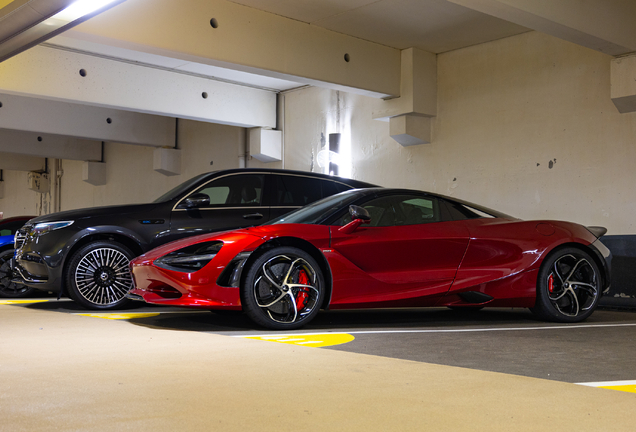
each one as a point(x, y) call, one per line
point(522, 107)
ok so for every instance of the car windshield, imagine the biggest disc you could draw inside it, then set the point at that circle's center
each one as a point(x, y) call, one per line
point(319, 210)
point(180, 189)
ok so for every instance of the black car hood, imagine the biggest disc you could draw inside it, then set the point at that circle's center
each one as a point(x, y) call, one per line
point(95, 212)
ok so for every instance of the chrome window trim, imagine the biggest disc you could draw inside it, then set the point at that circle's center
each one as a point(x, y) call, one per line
point(224, 208)
point(256, 172)
point(216, 178)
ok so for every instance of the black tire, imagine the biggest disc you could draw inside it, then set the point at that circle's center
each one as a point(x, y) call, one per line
point(283, 289)
point(7, 288)
point(568, 286)
point(98, 275)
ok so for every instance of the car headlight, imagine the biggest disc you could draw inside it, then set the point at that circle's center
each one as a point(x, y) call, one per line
point(44, 227)
point(191, 258)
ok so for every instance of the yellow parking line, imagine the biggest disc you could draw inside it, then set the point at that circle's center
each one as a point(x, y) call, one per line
point(119, 316)
point(625, 386)
point(314, 340)
point(6, 302)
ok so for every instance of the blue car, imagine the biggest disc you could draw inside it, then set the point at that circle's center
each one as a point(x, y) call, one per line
point(8, 228)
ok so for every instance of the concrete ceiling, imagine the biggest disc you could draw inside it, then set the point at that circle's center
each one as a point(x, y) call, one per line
point(431, 25)
point(174, 54)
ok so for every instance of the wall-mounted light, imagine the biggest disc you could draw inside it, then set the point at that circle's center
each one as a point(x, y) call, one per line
point(26, 24)
point(329, 158)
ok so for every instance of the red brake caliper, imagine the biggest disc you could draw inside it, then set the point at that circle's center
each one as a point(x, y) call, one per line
point(551, 283)
point(301, 298)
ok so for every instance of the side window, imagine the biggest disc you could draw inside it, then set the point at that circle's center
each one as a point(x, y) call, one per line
point(234, 191)
point(331, 188)
point(400, 210)
point(295, 191)
point(461, 212)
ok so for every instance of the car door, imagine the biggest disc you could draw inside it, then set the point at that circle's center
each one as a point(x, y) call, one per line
point(408, 250)
point(233, 201)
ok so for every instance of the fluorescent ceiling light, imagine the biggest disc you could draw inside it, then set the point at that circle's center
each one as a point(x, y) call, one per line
point(23, 30)
point(76, 10)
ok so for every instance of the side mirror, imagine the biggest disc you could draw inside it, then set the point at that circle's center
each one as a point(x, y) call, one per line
point(359, 216)
point(195, 201)
point(358, 212)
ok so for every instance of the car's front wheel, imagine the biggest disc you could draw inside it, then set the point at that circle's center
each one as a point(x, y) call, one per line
point(98, 275)
point(8, 288)
point(568, 286)
point(283, 289)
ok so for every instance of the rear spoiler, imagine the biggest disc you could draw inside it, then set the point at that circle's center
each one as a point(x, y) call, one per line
point(598, 231)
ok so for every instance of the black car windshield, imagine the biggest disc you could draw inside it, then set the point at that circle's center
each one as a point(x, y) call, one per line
point(180, 189)
point(319, 210)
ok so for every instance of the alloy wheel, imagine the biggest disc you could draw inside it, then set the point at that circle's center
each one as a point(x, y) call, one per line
point(286, 288)
point(103, 277)
point(573, 285)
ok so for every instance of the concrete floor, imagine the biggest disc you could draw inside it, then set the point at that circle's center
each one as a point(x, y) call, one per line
point(179, 370)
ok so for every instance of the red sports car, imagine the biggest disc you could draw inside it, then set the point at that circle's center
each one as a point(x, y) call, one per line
point(379, 248)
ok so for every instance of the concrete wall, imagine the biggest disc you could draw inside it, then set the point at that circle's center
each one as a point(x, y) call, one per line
point(525, 125)
point(129, 172)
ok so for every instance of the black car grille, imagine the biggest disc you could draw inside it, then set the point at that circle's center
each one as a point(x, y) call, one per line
point(20, 236)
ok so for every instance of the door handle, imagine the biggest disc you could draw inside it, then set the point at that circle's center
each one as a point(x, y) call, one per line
point(253, 216)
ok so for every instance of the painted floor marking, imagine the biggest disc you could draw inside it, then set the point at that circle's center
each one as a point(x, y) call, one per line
point(8, 302)
point(313, 340)
point(119, 316)
point(494, 329)
point(625, 386)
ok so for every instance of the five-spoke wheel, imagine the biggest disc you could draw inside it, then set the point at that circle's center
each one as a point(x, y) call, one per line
point(7, 287)
point(568, 287)
point(98, 275)
point(283, 289)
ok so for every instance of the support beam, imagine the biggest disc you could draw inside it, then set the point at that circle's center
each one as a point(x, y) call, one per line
point(56, 74)
point(16, 162)
point(248, 40)
point(623, 81)
point(606, 26)
point(409, 115)
point(418, 88)
point(82, 121)
point(51, 146)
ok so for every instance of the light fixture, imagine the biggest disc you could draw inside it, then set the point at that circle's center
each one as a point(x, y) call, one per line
point(26, 24)
point(330, 158)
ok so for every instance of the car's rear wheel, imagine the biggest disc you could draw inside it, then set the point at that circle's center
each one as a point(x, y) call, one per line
point(7, 287)
point(283, 289)
point(98, 275)
point(568, 286)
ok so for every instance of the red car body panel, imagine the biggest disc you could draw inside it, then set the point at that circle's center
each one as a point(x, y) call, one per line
point(409, 266)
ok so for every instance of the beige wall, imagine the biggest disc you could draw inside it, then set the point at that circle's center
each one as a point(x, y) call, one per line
point(525, 125)
point(129, 172)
